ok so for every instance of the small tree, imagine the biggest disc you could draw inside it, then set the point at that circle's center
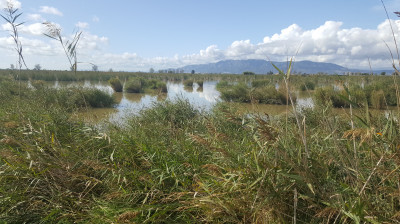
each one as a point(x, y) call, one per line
point(248, 73)
point(383, 73)
point(12, 67)
point(151, 70)
point(193, 71)
point(37, 67)
point(95, 68)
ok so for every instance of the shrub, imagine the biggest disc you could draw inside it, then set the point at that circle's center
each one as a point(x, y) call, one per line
point(377, 99)
point(134, 86)
point(223, 84)
point(327, 95)
point(38, 84)
point(357, 95)
point(324, 96)
point(260, 83)
point(116, 84)
point(98, 98)
point(267, 95)
point(248, 73)
point(188, 82)
point(308, 85)
point(140, 85)
point(162, 86)
point(200, 83)
point(237, 93)
point(72, 98)
point(283, 95)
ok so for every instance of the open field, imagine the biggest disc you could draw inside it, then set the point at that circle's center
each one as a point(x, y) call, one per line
point(173, 163)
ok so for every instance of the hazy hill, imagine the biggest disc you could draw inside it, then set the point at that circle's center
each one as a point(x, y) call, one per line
point(263, 67)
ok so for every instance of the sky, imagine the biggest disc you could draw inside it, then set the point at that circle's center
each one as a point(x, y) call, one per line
point(136, 35)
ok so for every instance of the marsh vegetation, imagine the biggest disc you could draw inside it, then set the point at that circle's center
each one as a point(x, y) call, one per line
point(175, 163)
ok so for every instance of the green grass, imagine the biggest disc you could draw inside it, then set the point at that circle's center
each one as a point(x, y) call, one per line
point(175, 164)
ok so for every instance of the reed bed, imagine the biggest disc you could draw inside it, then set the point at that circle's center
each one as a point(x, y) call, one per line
point(175, 164)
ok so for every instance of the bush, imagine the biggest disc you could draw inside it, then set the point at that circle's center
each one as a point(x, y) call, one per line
point(260, 83)
point(97, 98)
point(200, 83)
point(140, 85)
point(326, 96)
point(267, 95)
point(162, 86)
point(308, 85)
point(223, 84)
point(378, 99)
point(237, 93)
point(283, 94)
point(74, 98)
point(188, 82)
point(116, 84)
point(134, 86)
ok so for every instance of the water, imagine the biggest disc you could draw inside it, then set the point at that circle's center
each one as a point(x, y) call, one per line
point(202, 98)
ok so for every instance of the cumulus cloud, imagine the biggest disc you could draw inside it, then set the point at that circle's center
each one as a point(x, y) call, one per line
point(35, 29)
point(50, 10)
point(90, 42)
point(330, 42)
point(35, 17)
point(5, 3)
point(82, 25)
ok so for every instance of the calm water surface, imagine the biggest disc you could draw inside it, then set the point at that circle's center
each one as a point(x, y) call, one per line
point(202, 98)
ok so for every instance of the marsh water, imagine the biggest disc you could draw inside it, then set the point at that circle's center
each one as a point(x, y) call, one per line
point(201, 98)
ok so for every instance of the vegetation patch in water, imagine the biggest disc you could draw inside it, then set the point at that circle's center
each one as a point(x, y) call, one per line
point(116, 84)
point(260, 92)
point(140, 85)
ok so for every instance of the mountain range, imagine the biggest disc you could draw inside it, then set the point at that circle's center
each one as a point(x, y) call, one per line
point(264, 67)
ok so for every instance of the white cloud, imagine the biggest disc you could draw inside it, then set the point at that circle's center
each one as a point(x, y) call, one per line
point(82, 25)
point(5, 3)
point(326, 43)
point(35, 29)
point(35, 17)
point(89, 43)
point(50, 10)
point(329, 42)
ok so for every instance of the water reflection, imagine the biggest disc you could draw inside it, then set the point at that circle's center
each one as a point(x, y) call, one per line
point(118, 97)
point(188, 89)
point(203, 98)
point(133, 97)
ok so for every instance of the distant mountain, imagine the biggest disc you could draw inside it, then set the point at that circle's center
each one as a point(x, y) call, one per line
point(263, 67)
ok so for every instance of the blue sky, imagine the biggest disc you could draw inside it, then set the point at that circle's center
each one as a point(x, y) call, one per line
point(135, 35)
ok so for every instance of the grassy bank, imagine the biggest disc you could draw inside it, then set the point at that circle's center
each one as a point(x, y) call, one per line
point(175, 164)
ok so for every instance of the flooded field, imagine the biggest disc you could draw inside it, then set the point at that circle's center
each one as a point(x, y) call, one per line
point(202, 98)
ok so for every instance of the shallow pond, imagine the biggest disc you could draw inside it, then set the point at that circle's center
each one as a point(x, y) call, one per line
point(202, 98)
